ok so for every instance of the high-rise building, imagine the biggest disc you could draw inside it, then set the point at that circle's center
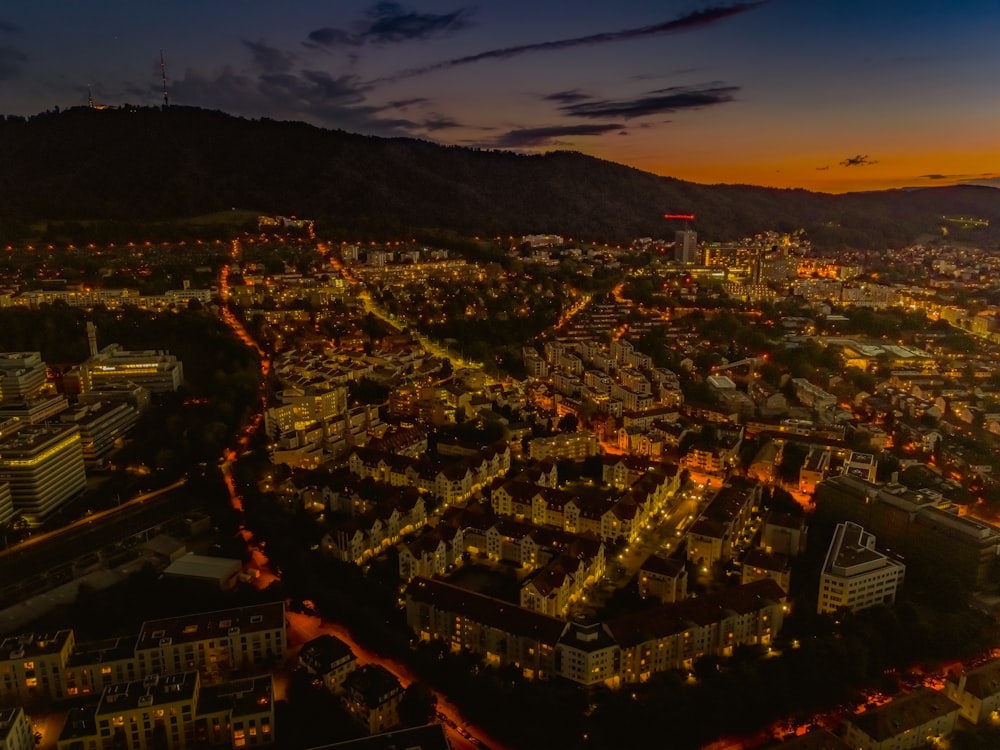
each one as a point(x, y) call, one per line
point(686, 246)
point(855, 575)
point(22, 374)
point(44, 465)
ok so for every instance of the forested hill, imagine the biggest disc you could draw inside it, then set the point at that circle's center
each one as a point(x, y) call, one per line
point(152, 164)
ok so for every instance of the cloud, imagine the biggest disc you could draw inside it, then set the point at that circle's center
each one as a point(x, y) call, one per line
point(311, 95)
point(405, 103)
point(547, 136)
point(11, 62)
point(671, 99)
point(330, 37)
point(860, 160)
point(392, 24)
point(976, 176)
point(695, 20)
point(566, 97)
point(823, 168)
point(440, 122)
point(389, 23)
point(6, 27)
point(269, 59)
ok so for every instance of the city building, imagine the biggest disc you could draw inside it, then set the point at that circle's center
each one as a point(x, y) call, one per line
point(44, 466)
point(663, 578)
point(22, 375)
point(15, 730)
point(329, 659)
point(46, 667)
point(7, 510)
point(855, 575)
point(918, 524)
point(372, 695)
point(686, 246)
point(157, 371)
point(31, 666)
point(914, 720)
point(174, 712)
point(977, 692)
point(103, 427)
point(628, 648)
point(214, 643)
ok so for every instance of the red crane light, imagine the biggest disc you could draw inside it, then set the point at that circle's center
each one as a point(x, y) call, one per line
point(685, 217)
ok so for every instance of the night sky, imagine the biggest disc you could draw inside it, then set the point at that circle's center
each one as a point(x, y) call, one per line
point(830, 95)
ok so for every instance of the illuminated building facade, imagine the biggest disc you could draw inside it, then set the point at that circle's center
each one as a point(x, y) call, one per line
point(855, 575)
point(158, 371)
point(22, 375)
point(44, 466)
point(15, 730)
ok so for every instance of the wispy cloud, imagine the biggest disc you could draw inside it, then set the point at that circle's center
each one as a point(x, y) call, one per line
point(671, 99)
point(311, 95)
point(6, 27)
point(689, 21)
point(269, 59)
point(388, 23)
point(567, 97)
point(974, 176)
point(547, 136)
point(859, 160)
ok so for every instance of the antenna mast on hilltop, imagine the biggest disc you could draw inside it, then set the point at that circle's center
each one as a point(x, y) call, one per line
point(163, 72)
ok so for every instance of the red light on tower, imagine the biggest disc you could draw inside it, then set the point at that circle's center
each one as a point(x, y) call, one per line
point(682, 217)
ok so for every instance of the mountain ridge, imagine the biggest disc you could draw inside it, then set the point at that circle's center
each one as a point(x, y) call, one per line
point(152, 164)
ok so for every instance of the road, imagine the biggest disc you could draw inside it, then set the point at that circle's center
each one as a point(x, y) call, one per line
point(462, 735)
point(93, 519)
point(303, 628)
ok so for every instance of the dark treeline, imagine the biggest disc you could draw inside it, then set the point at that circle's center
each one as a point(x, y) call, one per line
point(147, 165)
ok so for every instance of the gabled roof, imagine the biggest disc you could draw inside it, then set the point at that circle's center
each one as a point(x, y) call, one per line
point(903, 714)
point(495, 613)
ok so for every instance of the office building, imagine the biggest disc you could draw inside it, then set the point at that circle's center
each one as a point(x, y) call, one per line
point(157, 371)
point(686, 246)
point(103, 427)
point(44, 466)
point(22, 375)
point(855, 575)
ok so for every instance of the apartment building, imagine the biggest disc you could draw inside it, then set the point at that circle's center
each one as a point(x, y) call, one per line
point(45, 667)
point(628, 648)
point(977, 692)
point(15, 730)
point(174, 712)
point(31, 666)
point(914, 720)
point(214, 643)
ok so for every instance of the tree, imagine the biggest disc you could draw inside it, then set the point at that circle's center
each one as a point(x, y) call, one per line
point(418, 706)
point(568, 423)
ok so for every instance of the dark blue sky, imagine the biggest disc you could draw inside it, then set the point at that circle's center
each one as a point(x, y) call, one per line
point(827, 94)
